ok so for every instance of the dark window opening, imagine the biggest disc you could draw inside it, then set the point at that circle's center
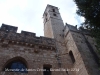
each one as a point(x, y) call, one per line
point(54, 14)
point(46, 19)
point(53, 10)
point(16, 66)
point(72, 57)
point(67, 72)
point(46, 70)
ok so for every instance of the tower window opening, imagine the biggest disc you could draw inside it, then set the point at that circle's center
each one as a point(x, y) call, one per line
point(72, 56)
point(46, 70)
point(53, 10)
point(54, 14)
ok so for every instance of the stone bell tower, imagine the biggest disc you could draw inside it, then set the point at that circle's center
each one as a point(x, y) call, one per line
point(53, 23)
point(54, 27)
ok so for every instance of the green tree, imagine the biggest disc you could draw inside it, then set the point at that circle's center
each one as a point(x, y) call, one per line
point(90, 10)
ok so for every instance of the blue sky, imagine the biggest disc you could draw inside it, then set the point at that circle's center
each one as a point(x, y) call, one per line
point(27, 14)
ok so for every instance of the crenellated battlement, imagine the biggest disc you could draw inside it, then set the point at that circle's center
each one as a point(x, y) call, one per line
point(9, 33)
point(8, 28)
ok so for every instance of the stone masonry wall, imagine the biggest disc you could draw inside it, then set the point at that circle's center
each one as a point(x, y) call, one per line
point(84, 58)
point(78, 64)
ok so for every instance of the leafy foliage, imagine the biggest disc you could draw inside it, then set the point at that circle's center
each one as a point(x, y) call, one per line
point(90, 10)
point(96, 34)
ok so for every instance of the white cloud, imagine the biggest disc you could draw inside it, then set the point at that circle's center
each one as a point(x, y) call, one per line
point(27, 14)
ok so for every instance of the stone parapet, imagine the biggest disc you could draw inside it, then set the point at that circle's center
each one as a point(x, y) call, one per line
point(25, 38)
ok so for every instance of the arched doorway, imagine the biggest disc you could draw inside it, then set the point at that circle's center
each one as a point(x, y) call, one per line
point(16, 64)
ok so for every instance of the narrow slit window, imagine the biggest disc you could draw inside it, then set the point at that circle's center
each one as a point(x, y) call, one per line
point(53, 10)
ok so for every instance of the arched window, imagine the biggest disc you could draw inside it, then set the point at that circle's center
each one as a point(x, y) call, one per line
point(72, 56)
point(16, 65)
